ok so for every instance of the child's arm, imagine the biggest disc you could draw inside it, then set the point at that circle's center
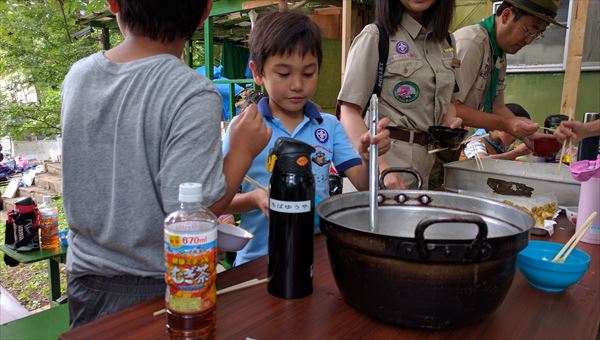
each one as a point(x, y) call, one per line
point(359, 175)
point(520, 150)
point(244, 146)
point(256, 199)
point(354, 125)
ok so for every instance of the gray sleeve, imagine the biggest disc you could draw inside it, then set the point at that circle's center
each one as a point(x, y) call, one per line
point(192, 150)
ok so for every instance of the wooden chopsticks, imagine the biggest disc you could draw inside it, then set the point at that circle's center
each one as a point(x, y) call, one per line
point(242, 285)
point(233, 288)
point(255, 183)
point(479, 162)
point(570, 245)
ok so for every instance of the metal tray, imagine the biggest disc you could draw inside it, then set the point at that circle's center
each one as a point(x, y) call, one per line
point(522, 178)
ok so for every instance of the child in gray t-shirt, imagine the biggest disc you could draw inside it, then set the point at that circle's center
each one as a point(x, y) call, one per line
point(137, 122)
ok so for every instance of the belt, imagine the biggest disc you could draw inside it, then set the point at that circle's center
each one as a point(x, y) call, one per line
point(400, 134)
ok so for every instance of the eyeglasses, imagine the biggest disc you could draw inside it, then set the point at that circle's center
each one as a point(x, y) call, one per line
point(532, 34)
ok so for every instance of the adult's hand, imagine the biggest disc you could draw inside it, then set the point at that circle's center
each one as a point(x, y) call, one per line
point(249, 134)
point(520, 126)
point(576, 130)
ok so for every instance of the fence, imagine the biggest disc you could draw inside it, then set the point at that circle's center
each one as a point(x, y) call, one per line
point(40, 150)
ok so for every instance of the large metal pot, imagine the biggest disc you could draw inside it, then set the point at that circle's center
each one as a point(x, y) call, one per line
point(435, 260)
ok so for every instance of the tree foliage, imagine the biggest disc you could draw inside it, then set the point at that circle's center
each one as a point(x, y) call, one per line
point(37, 49)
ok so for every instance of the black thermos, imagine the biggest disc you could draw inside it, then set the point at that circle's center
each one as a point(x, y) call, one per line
point(291, 219)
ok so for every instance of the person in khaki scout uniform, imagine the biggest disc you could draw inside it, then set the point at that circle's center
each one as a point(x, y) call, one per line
point(417, 85)
point(482, 50)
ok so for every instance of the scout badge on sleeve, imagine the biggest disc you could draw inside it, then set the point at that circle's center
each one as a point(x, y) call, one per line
point(21, 233)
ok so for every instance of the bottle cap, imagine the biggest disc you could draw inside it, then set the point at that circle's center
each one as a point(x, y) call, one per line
point(190, 192)
point(47, 198)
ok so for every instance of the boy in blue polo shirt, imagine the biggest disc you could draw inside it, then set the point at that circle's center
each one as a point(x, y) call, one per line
point(285, 53)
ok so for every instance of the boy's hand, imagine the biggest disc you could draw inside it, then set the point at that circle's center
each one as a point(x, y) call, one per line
point(249, 134)
point(382, 139)
point(522, 150)
point(261, 200)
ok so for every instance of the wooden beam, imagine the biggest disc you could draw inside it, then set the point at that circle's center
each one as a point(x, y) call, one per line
point(208, 48)
point(283, 5)
point(577, 27)
point(105, 37)
point(346, 32)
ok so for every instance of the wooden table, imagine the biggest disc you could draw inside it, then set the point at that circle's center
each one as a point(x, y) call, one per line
point(526, 313)
point(54, 257)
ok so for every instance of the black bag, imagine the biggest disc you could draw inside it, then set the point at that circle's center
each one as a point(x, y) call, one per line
point(22, 225)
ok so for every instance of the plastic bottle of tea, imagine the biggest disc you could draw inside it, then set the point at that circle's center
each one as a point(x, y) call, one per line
point(190, 262)
point(48, 223)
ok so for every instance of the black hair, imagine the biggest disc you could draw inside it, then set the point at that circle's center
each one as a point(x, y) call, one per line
point(517, 12)
point(389, 14)
point(553, 121)
point(161, 20)
point(279, 33)
point(518, 110)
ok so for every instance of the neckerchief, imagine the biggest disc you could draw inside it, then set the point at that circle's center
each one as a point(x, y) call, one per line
point(488, 24)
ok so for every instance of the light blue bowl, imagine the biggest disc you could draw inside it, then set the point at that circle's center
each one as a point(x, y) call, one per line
point(535, 262)
point(63, 236)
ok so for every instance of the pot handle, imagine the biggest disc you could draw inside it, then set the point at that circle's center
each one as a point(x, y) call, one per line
point(400, 170)
point(476, 250)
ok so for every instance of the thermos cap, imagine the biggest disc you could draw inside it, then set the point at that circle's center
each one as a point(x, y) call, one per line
point(285, 146)
point(290, 155)
point(190, 192)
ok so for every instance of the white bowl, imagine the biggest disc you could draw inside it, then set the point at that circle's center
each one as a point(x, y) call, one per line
point(571, 214)
point(232, 238)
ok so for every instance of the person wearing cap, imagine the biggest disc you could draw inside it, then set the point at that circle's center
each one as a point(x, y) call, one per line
point(418, 81)
point(482, 50)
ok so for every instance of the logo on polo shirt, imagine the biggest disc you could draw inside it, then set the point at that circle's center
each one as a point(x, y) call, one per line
point(406, 91)
point(402, 47)
point(321, 135)
point(320, 159)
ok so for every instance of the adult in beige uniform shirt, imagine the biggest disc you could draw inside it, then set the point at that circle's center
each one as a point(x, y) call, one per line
point(516, 24)
point(417, 85)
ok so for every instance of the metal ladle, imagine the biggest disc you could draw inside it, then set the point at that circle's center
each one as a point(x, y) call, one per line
point(373, 163)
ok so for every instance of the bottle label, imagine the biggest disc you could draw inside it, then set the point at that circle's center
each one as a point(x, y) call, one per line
point(49, 226)
point(290, 207)
point(191, 271)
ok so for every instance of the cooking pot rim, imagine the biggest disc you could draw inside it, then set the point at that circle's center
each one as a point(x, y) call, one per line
point(389, 201)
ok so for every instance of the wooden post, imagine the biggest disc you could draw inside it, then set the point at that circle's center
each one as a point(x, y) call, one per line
point(208, 48)
point(283, 5)
point(574, 57)
point(346, 32)
point(105, 37)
